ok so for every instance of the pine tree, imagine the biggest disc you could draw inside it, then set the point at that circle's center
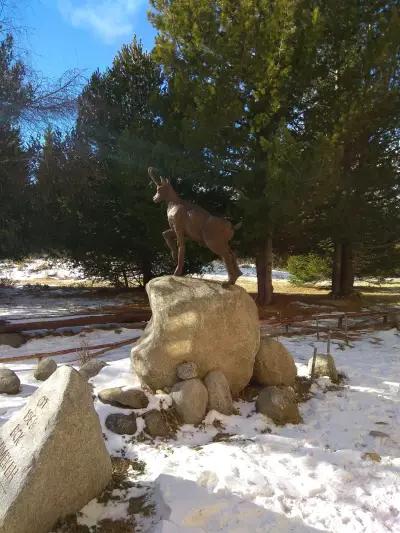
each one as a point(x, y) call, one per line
point(238, 73)
point(353, 135)
point(14, 158)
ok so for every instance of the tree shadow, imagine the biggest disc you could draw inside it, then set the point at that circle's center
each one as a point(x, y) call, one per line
point(190, 506)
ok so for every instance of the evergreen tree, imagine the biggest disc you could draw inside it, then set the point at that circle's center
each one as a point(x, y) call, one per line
point(111, 226)
point(238, 73)
point(353, 134)
point(14, 158)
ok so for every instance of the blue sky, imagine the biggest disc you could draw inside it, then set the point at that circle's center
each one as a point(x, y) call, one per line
point(84, 34)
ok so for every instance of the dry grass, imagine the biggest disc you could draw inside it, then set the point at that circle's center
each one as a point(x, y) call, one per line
point(83, 353)
point(291, 300)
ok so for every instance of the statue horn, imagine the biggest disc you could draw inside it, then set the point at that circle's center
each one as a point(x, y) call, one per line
point(153, 173)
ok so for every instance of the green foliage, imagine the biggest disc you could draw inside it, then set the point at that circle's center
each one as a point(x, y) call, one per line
point(93, 192)
point(14, 157)
point(308, 268)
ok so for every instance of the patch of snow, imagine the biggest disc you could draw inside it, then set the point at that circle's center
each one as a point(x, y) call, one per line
point(243, 473)
point(35, 269)
point(25, 303)
point(218, 271)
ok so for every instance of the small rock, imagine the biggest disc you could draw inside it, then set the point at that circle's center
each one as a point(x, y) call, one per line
point(380, 434)
point(15, 340)
point(301, 387)
point(155, 424)
point(9, 381)
point(250, 393)
point(219, 393)
point(273, 364)
point(324, 366)
point(129, 398)
point(121, 424)
point(91, 368)
point(187, 370)
point(190, 399)
point(45, 369)
point(279, 403)
point(372, 456)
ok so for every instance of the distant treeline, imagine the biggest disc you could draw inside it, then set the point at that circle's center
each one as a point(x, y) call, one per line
point(281, 114)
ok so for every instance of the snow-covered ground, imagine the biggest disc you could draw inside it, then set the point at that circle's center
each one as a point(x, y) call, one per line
point(217, 270)
point(260, 477)
point(20, 303)
point(36, 269)
point(44, 269)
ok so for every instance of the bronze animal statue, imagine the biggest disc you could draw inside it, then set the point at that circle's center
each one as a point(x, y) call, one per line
point(187, 220)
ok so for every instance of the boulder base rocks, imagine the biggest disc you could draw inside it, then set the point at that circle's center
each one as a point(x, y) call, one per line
point(121, 424)
point(44, 369)
point(201, 321)
point(53, 457)
point(190, 399)
point(155, 424)
point(324, 366)
point(9, 382)
point(187, 370)
point(274, 365)
point(122, 397)
point(279, 403)
point(219, 394)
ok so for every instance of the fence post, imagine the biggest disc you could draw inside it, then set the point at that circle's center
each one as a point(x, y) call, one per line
point(313, 364)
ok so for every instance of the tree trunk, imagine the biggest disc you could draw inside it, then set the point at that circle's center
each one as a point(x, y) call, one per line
point(347, 270)
point(264, 273)
point(337, 270)
point(125, 276)
point(147, 274)
point(342, 270)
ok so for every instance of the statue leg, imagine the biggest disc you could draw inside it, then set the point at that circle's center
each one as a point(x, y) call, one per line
point(221, 248)
point(181, 255)
point(232, 267)
point(170, 238)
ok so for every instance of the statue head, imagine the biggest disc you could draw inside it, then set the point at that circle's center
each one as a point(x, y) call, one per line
point(164, 188)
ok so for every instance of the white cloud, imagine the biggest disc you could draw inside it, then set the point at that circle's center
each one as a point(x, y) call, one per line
point(109, 19)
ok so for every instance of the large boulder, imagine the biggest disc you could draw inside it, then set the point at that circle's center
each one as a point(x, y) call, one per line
point(201, 321)
point(9, 382)
point(53, 456)
point(219, 394)
point(279, 403)
point(273, 364)
point(190, 400)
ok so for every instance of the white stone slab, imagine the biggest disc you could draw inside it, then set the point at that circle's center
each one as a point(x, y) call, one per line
point(53, 459)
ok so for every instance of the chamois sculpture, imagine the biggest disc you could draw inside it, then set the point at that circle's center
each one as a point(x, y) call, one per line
point(187, 220)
